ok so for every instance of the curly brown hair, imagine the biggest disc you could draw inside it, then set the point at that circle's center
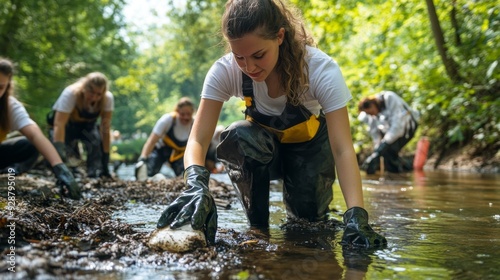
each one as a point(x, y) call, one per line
point(267, 17)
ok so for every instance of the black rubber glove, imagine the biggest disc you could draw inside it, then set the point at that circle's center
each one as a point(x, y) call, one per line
point(375, 155)
point(382, 148)
point(195, 204)
point(368, 161)
point(66, 181)
point(61, 150)
point(141, 169)
point(105, 165)
point(357, 232)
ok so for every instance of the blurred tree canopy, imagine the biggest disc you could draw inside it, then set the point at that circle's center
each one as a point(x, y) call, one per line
point(173, 64)
point(441, 56)
point(55, 42)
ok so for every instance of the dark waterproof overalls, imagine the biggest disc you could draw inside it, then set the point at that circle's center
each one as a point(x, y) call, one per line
point(293, 146)
point(82, 125)
point(18, 155)
point(172, 152)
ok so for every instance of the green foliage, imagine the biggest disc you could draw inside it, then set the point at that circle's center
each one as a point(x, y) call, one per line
point(172, 65)
point(379, 45)
point(232, 110)
point(389, 45)
point(128, 150)
point(54, 42)
point(137, 101)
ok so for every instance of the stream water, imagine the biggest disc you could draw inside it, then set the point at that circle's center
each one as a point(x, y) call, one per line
point(438, 225)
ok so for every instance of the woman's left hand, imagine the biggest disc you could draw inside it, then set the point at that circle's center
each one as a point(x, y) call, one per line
point(358, 232)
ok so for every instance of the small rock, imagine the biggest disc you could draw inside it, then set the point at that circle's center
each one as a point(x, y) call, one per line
point(158, 177)
point(178, 240)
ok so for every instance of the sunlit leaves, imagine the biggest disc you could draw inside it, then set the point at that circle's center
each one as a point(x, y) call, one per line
point(378, 45)
point(54, 42)
point(389, 45)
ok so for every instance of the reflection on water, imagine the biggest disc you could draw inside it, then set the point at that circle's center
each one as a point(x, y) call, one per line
point(438, 226)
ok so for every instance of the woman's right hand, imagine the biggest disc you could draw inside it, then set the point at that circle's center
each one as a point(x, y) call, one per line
point(195, 205)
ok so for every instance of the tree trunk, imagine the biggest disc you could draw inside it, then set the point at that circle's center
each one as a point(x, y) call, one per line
point(450, 65)
point(454, 23)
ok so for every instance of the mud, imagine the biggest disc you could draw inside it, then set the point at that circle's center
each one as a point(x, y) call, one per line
point(469, 159)
point(59, 237)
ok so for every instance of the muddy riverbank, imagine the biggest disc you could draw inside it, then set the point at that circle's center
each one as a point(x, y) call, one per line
point(58, 237)
point(469, 159)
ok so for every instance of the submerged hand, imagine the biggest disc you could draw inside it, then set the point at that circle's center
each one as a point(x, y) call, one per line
point(195, 204)
point(357, 232)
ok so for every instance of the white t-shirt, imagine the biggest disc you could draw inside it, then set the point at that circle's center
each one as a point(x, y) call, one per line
point(163, 125)
point(67, 102)
point(327, 88)
point(18, 115)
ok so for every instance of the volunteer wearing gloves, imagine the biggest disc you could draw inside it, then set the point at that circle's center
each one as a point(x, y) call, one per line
point(296, 125)
point(392, 124)
point(75, 118)
point(167, 141)
point(20, 153)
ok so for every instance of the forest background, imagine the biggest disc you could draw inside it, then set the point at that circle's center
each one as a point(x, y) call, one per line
point(441, 56)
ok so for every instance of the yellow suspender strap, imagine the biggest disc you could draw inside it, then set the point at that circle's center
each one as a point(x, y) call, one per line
point(177, 153)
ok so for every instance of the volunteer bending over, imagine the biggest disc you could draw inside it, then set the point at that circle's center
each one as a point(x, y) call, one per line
point(19, 154)
point(75, 118)
point(296, 125)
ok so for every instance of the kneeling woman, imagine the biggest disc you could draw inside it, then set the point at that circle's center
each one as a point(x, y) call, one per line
point(167, 141)
point(392, 124)
point(75, 118)
point(296, 125)
point(20, 153)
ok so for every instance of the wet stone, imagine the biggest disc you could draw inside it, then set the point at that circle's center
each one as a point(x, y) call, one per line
point(178, 240)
